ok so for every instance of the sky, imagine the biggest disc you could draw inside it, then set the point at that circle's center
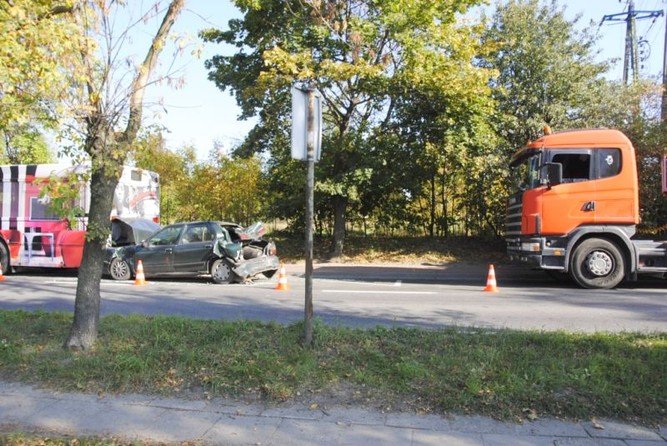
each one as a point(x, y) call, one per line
point(199, 113)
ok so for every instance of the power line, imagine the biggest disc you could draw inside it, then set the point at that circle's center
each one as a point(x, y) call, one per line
point(630, 17)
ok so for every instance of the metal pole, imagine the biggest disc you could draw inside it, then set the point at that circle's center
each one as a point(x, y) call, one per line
point(633, 34)
point(663, 114)
point(628, 43)
point(310, 185)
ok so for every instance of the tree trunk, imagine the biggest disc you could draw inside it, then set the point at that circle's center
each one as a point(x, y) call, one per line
point(340, 205)
point(431, 226)
point(108, 150)
point(83, 332)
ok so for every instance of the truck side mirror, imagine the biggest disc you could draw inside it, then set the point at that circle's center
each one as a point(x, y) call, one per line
point(552, 174)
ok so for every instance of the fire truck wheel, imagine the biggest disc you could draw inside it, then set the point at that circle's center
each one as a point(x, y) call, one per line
point(4, 259)
point(119, 270)
point(221, 272)
point(597, 263)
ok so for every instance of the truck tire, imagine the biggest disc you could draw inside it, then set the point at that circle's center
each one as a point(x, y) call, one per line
point(597, 263)
point(4, 258)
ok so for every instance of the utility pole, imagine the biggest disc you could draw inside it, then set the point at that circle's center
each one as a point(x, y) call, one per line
point(630, 17)
point(663, 110)
point(310, 186)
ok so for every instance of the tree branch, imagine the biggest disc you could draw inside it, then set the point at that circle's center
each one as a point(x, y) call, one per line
point(141, 80)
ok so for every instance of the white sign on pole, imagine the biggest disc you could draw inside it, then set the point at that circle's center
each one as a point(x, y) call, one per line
point(300, 124)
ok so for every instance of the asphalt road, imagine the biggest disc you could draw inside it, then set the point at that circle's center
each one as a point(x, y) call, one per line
point(427, 296)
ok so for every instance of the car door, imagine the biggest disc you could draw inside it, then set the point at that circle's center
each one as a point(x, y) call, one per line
point(571, 203)
point(157, 253)
point(194, 248)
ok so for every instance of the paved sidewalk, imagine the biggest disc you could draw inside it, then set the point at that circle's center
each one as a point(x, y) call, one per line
point(229, 422)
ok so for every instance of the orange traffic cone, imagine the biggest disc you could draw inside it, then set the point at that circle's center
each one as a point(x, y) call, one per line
point(139, 277)
point(2, 277)
point(491, 281)
point(282, 279)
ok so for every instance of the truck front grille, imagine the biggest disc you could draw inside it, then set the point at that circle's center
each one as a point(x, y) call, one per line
point(514, 210)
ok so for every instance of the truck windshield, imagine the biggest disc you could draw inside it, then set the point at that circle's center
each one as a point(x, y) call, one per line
point(526, 174)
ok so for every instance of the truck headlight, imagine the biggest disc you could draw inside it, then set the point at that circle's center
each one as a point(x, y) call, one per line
point(531, 247)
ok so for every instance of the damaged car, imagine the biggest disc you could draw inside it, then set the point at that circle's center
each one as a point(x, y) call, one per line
point(226, 251)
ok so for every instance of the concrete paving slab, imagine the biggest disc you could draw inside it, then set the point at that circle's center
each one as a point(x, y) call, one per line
point(296, 412)
point(126, 420)
point(69, 416)
point(183, 425)
point(15, 407)
point(428, 422)
point(227, 421)
point(182, 404)
point(241, 430)
point(613, 429)
point(355, 415)
point(588, 442)
point(644, 443)
point(306, 433)
point(373, 435)
point(127, 398)
point(431, 438)
point(550, 427)
point(516, 440)
point(481, 425)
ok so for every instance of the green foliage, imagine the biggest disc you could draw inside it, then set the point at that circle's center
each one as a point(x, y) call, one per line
point(546, 71)
point(363, 57)
point(223, 188)
point(175, 170)
point(41, 43)
point(25, 145)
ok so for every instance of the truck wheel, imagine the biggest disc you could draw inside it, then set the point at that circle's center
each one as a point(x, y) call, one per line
point(221, 272)
point(597, 263)
point(4, 259)
point(119, 269)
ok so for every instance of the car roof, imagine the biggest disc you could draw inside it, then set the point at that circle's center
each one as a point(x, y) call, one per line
point(222, 223)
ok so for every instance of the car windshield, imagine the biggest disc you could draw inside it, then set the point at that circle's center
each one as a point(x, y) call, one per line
point(526, 174)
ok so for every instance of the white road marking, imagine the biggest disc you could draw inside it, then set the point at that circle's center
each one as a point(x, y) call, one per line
point(377, 292)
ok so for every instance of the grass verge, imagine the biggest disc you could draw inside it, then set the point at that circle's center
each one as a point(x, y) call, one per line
point(39, 439)
point(503, 374)
point(403, 249)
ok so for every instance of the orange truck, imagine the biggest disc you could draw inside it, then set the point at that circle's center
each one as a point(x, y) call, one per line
point(575, 209)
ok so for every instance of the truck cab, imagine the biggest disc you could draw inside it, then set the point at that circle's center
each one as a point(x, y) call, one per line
point(575, 207)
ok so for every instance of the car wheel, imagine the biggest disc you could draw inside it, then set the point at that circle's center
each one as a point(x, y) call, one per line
point(119, 269)
point(4, 259)
point(270, 273)
point(598, 263)
point(221, 272)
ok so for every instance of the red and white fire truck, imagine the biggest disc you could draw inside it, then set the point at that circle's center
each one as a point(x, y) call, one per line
point(33, 236)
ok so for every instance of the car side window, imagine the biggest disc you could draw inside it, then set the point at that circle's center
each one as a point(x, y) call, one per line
point(167, 236)
point(608, 162)
point(576, 166)
point(192, 234)
point(197, 233)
